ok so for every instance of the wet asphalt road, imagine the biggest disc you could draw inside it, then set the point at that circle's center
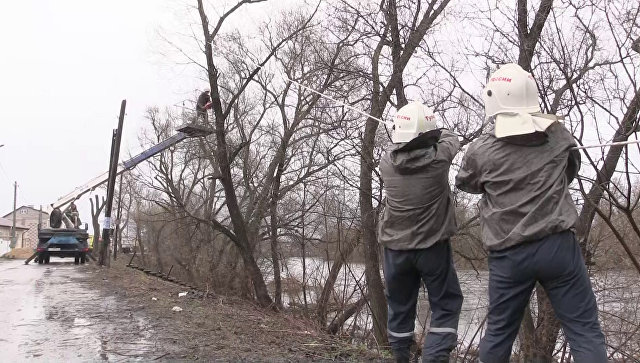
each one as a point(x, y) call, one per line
point(50, 313)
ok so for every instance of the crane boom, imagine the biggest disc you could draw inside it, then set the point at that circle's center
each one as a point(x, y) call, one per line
point(184, 132)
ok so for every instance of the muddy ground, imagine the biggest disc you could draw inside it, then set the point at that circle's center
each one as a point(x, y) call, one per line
point(79, 313)
point(217, 327)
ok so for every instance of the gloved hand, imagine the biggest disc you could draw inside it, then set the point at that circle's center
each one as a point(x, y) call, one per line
point(207, 106)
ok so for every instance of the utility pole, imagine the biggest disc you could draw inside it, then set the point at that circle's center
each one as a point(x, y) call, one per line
point(117, 238)
point(12, 244)
point(113, 171)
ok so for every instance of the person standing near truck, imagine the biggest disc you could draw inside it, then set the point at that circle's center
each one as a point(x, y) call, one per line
point(416, 225)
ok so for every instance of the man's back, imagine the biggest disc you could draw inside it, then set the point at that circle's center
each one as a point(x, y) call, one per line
point(419, 211)
point(525, 188)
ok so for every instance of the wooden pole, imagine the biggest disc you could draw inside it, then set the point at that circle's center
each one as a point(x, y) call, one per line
point(14, 239)
point(113, 169)
point(116, 238)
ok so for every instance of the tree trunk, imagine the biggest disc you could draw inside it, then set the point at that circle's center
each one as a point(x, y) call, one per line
point(347, 313)
point(140, 245)
point(275, 259)
point(375, 287)
point(529, 37)
point(605, 173)
point(254, 273)
point(304, 277)
point(157, 255)
point(96, 209)
point(241, 239)
point(338, 261)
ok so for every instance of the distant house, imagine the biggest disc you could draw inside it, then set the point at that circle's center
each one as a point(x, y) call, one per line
point(5, 234)
point(28, 217)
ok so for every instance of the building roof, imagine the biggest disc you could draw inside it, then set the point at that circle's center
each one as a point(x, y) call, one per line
point(8, 223)
point(24, 206)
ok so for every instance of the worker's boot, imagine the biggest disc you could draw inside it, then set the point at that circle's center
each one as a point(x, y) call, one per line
point(402, 355)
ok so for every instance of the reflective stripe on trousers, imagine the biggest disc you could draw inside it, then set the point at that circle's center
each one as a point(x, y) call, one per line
point(443, 330)
point(404, 273)
point(400, 335)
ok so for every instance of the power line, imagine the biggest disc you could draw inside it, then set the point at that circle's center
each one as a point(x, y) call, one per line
point(6, 176)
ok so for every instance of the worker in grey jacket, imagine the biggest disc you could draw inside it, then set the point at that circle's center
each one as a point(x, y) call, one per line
point(417, 223)
point(203, 104)
point(523, 169)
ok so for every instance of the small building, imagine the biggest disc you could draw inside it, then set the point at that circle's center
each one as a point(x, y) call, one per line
point(27, 216)
point(5, 234)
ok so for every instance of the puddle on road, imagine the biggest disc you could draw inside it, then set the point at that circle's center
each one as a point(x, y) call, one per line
point(53, 316)
point(81, 322)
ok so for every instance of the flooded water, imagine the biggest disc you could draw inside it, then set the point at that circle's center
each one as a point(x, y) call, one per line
point(351, 283)
point(49, 313)
point(617, 294)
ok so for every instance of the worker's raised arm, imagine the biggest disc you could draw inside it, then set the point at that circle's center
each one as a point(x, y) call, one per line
point(468, 178)
point(573, 166)
point(574, 159)
point(448, 146)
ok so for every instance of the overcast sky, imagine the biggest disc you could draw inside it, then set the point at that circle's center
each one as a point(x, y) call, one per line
point(65, 67)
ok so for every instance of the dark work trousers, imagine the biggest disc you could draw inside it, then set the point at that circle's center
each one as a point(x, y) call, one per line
point(403, 272)
point(202, 114)
point(556, 263)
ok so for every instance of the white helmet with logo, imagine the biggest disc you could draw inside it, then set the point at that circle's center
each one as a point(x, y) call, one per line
point(511, 95)
point(411, 121)
point(510, 89)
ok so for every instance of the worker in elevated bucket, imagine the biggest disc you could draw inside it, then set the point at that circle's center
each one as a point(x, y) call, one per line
point(523, 168)
point(203, 104)
point(417, 223)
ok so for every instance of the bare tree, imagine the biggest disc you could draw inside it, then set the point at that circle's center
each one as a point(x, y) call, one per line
point(242, 232)
point(96, 210)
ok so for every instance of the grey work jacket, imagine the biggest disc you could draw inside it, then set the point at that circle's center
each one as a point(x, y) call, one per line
point(524, 188)
point(419, 208)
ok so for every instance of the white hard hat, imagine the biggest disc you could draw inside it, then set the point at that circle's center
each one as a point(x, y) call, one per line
point(510, 89)
point(511, 96)
point(412, 120)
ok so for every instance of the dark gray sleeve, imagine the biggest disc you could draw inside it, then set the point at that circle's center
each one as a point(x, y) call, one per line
point(573, 166)
point(448, 146)
point(468, 178)
point(574, 158)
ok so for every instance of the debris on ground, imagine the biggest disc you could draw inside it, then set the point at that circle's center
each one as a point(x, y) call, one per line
point(181, 294)
point(176, 308)
point(154, 298)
